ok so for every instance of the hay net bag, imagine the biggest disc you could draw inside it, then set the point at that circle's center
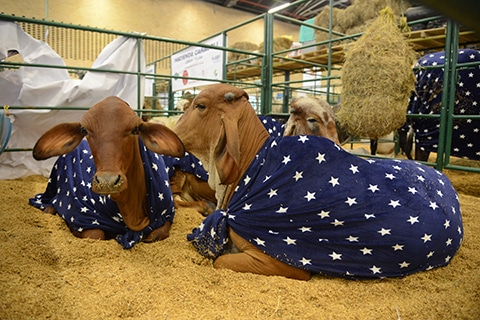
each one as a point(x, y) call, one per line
point(377, 79)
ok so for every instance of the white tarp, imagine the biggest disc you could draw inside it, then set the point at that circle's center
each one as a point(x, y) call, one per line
point(198, 62)
point(35, 86)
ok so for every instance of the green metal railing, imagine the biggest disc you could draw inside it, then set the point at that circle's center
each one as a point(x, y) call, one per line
point(266, 81)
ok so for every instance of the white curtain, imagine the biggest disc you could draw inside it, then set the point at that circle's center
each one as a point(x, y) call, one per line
point(35, 86)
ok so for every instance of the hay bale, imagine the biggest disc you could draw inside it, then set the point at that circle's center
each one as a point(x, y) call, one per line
point(355, 18)
point(242, 45)
point(279, 44)
point(377, 79)
point(323, 20)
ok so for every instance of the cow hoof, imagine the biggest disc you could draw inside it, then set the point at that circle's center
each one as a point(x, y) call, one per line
point(96, 234)
point(207, 209)
point(50, 209)
point(160, 233)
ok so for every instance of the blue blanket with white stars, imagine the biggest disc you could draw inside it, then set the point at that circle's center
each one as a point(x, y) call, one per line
point(69, 191)
point(307, 202)
point(427, 99)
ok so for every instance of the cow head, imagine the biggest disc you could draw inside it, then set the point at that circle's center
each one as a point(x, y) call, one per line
point(112, 129)
point(311, 116)
point(214, 130)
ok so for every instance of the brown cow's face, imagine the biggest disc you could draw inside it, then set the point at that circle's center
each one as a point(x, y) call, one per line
point(311, 116)
point(112, 129)
point(201, 125)
point(211, 130)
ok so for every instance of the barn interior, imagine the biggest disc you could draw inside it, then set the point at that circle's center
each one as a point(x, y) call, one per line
point(59, 57)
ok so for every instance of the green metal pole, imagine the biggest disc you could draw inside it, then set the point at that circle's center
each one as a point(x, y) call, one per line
point(329, 64)
point(139, 73)
point(452, 86)
point(267, 66)
point(448, 73)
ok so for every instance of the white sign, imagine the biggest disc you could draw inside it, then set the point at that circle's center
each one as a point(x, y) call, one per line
point(198, 62)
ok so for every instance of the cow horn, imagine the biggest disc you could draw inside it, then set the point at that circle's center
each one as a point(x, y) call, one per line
point(229, 96)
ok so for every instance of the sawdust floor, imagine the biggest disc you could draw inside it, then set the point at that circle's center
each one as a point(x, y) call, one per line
point(47, 273)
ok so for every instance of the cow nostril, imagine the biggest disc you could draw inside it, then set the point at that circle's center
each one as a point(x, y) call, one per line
point(118, 181)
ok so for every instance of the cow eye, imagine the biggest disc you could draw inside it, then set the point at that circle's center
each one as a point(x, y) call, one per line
point(83, 131)
point(312, 120)
point(200, 106)
point(135, 131)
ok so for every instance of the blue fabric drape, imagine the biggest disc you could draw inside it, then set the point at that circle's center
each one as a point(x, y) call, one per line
point(307, 202)
point(69, 191)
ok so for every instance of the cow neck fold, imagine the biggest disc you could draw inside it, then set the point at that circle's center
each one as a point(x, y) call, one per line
point(132, 201)
point(253, 135)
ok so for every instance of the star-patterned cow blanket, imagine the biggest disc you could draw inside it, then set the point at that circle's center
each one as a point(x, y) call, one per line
point(275, 128)
point(307, 202)
point(188, 163)
point(427, 99)
point(69, 191)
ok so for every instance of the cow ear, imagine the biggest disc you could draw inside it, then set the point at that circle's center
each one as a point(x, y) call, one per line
point(160, 139)
point(227, 152)
point(60, 139)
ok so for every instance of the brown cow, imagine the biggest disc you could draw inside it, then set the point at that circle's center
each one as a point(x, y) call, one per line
point(294, 205)
point(115, 136)
point(226, 152)
point(313, 116)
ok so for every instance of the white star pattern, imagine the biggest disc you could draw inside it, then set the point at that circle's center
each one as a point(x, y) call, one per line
point(426, 237)
point(394, 203)
point(335, 256)
point(324, 214)
point(366, 251)
point(305, 229)
point(259, 242)
point(298, 175)
point(247, 206)
point(413, 220)
point(286, 159)
point(290, 241)
point(320, 158)
point(384, 231)
point(272, 193)
point(351, 201)
point(334, 181)
point(310, 196)
point(354, 169)
point(302, 139)
point(305, 261)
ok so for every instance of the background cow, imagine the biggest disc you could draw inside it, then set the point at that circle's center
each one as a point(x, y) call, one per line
point(297, 205)
point(427, 99)
point(112, 186)
point(311, 115)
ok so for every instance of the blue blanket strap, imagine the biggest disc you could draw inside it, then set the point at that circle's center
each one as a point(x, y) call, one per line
point(211, 237)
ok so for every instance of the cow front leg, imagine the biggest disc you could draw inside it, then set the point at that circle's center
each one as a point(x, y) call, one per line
point(251, 259)
point(160, 233)
point(96, 234)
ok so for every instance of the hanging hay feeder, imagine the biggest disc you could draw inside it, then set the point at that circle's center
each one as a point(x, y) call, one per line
point(377, 79)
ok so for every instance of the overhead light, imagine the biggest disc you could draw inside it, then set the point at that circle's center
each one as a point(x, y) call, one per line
point(278, 8)
point(230, 3)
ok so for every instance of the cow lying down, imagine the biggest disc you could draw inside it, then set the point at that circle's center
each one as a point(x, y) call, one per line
point(298, 205)
point(110, 181)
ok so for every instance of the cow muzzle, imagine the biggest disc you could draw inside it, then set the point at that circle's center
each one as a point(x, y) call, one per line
point(108, 183)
